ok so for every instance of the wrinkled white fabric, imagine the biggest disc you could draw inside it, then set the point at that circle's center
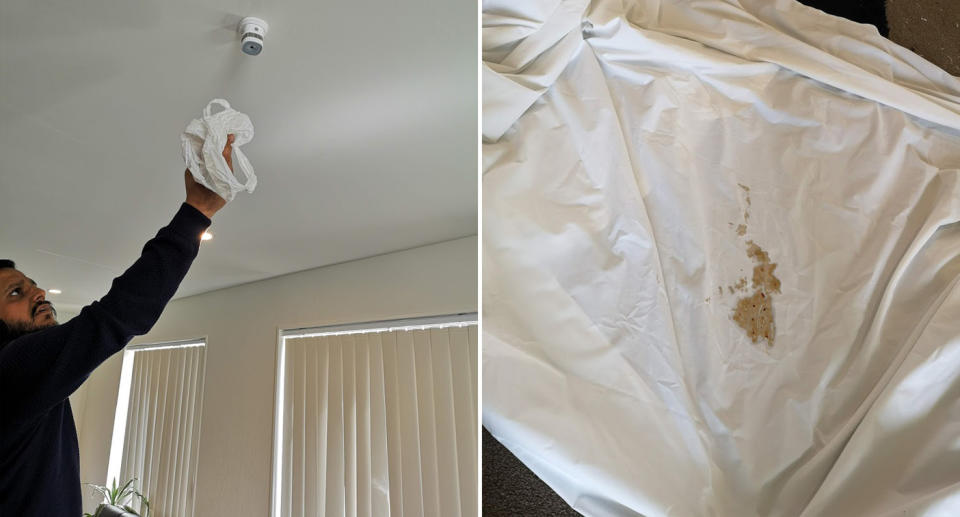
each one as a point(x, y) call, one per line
point(616, 135)
point(203, 142)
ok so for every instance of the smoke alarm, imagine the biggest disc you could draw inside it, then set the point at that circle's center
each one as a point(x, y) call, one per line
point(252, 31)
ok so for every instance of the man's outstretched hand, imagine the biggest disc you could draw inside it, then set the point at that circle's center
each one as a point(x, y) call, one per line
point(202, 198)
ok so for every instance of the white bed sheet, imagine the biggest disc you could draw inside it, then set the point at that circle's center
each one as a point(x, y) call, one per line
point(620, 138)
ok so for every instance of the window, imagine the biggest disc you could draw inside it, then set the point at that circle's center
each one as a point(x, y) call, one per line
point(157, 425)
point(377, 419)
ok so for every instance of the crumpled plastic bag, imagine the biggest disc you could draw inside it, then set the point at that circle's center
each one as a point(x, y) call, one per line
point(203, 142)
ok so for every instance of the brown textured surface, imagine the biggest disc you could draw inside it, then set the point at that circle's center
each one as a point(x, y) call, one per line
point(511, 490)
point(931, 28)
point(754, 314)
point(763, 277)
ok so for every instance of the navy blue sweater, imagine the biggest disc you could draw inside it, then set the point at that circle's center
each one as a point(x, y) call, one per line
point(39, 455)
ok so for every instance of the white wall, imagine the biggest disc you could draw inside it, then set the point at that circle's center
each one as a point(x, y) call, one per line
point(241, 325)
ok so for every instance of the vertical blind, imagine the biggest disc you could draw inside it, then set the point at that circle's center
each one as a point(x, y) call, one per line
point(163, 427)
point(380, 423)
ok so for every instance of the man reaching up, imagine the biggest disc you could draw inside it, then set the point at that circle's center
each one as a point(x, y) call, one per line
point(42, 362)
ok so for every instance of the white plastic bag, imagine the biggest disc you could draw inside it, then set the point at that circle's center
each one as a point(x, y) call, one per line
point(203, 142)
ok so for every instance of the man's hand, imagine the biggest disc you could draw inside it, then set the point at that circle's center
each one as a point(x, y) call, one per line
point(202, 198)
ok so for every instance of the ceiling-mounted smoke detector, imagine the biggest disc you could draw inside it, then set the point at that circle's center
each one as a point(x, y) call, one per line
point(252, 31)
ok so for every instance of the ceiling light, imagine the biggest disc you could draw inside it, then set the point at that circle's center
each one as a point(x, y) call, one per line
point(54, 291)
point(206, 236)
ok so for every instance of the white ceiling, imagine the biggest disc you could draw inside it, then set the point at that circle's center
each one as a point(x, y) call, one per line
point(366, 133)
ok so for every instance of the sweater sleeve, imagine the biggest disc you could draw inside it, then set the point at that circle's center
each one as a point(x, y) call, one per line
point(40, 370)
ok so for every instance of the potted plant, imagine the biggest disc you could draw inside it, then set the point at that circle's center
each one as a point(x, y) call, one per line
point(118, 500)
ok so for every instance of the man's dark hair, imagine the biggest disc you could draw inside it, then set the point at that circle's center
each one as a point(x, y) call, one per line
point(5, 334)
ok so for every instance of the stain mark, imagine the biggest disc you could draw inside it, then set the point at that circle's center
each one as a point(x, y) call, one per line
point(741, 284)
point(746, 211)
point(754, 312)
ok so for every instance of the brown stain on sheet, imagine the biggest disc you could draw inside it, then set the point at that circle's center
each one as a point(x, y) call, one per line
point(754, 312)
point(741, 284)
point(763, 276)
point(746, 212)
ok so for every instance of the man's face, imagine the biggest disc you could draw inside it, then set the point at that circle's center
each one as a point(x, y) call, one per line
point(23, 306)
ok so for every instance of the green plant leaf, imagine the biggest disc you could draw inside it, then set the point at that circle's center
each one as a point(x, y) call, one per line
point(123, 496)
point(126, 491)
point(102, 490)
point(144, 505)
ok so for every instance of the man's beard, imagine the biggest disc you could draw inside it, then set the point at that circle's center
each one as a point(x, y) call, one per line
point(13, 330)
